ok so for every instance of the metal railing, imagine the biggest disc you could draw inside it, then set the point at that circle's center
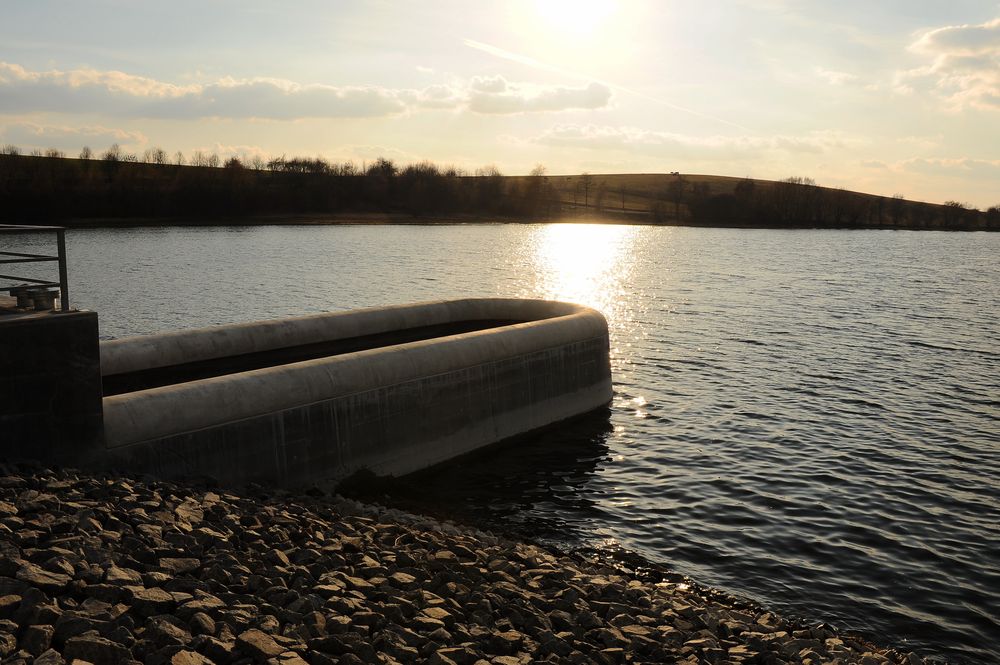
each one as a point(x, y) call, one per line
point(20, 257)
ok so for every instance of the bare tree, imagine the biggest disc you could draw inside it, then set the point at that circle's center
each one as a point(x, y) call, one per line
point(179, 158)
point(11, 150)
point(586, 182)
point(677, 187)
point(155, 155)
point(113, 154)
point(86, 153)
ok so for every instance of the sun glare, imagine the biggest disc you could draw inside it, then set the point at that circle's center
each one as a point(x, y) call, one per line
point(580, 18)
point(584, 263)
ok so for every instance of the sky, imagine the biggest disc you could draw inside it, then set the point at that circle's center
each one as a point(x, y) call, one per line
point(887, 96)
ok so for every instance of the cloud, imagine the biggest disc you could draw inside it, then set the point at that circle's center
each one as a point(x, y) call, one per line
point(834, 77)
point(721, 147)
point(277, 99)
point(965, 65)
point(956, 167)
point(30, 135)
point(497, 96)
point(119, 93)
point(874, 164)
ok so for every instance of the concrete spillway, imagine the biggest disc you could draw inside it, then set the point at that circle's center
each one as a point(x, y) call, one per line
point(316, 398)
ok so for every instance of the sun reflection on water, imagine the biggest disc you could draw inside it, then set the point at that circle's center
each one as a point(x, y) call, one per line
point(589, 264)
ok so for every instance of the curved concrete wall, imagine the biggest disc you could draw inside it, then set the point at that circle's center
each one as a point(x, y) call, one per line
point(392, 410)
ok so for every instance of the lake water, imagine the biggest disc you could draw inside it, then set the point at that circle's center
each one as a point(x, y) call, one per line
point(810, 419)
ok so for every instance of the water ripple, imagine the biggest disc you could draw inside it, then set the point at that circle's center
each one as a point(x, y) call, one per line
point(808, 418)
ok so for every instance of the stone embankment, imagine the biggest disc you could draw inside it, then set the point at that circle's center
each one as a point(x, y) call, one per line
point(111, 570)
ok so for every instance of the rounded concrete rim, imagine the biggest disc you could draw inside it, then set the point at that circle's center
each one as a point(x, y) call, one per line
point(131, 354)
point(187, 407)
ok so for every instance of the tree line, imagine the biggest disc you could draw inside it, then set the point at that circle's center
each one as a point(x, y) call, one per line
point(46, 186)
point(49, 186)
point(801, 202)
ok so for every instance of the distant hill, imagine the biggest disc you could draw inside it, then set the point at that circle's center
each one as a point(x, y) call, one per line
point(710, 200)
point(120, 189)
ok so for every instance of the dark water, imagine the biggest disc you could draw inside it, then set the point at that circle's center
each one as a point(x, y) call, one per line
point(810, 419)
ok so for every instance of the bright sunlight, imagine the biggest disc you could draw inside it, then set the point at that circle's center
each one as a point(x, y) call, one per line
point(580, 18)
point(585, 263)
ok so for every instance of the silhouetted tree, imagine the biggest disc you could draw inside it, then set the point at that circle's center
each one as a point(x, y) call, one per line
point(586, 182)
point(992, 217)
point(676, 192)
point(113, 154)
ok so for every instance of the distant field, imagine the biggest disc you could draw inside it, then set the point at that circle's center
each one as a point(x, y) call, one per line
point(636, 193)
point(119, 187)
point(682, 198)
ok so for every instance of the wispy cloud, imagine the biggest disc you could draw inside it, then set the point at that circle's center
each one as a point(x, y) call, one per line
point(64, 137)
point(496, 95)
point(594, 137)
point(965, 65)
point(834, 77)
point(536, 64)
point(119, 93)
point(957, 167)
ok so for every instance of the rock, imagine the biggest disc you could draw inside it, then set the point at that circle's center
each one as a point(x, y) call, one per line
point(45, 580)
point(50, 657)
point(96, 650)
point(8, 644)
point(438, 613)
point(287, 658)
point(461, 655)
point(612, 655)
point(202, 624)
point(217, 650)
point(403, 580)
point(150, 602)
point(166, 631)
point(437, 658)
point(258, 644)
point(505, 643)
point(9, 605)
point(114, 570)
point(37, 639)
point(187, 657)
point(108, 593)
point(180, 566)
point(507, 660)
point(122, 577)
point(72, 624)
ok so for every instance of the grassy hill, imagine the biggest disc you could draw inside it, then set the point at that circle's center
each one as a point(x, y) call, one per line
point(711, 200)
point(100, 191)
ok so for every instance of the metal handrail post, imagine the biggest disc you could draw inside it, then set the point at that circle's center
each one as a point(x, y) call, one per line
point(63, 277)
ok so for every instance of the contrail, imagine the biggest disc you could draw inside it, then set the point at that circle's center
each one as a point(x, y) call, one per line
point(536, 64)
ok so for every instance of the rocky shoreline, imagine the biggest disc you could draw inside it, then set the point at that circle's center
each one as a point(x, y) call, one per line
point(111, 570)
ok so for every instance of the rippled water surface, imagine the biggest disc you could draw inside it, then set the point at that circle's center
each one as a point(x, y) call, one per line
point(810, 419)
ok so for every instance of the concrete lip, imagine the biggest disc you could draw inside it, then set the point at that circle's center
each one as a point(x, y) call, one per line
point(391, 390)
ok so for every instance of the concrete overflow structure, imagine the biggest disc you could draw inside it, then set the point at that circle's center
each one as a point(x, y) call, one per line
point(317, 398)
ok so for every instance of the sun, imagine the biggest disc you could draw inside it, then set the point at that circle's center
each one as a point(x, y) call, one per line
point(579, 18)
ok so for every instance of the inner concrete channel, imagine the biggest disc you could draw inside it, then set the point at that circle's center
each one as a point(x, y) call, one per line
point(156, 377)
